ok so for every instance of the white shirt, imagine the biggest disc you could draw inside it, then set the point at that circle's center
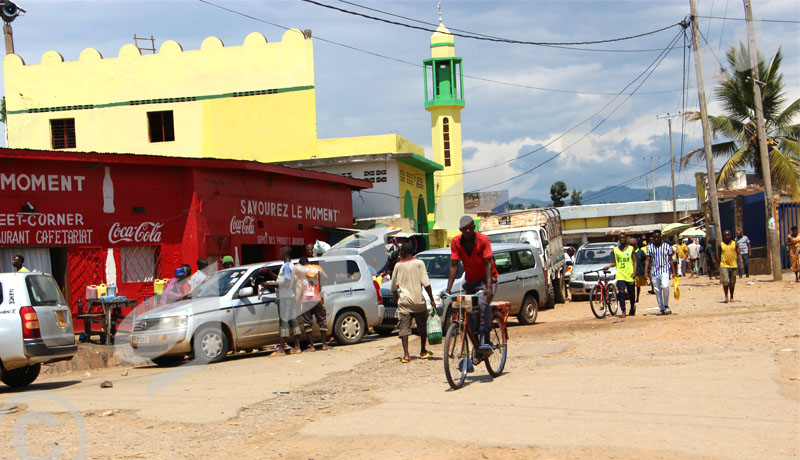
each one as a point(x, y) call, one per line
point(197, 278)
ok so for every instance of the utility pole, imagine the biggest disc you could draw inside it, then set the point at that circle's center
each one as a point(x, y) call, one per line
point(653, 172)
point(766, 171)
point(671, 162)
point(701, 95)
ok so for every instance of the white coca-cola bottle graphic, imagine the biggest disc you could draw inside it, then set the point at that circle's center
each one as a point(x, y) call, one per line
point(108, 193)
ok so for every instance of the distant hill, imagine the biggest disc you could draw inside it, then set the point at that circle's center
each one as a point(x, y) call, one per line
point(617, 195)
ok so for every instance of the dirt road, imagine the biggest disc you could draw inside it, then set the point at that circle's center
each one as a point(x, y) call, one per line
point(711, 381)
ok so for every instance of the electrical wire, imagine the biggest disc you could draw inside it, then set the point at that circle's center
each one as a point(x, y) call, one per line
point(487, 38)
point(785, 21)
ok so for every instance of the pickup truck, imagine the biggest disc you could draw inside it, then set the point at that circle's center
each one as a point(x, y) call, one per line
point(540, 228)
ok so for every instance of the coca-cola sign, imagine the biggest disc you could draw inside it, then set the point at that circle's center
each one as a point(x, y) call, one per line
point(146, 232)
point(244, 226)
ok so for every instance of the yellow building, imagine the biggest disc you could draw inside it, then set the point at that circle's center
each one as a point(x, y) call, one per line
point(250, 102)
point(444, 99)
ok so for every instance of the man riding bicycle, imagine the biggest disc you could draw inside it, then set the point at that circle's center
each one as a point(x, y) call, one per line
point(474, 251)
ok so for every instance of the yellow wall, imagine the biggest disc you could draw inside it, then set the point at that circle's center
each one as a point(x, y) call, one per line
point(411, 179)
point(366, 145)
point(262, 127)
point(591, 222)
point(448, 183)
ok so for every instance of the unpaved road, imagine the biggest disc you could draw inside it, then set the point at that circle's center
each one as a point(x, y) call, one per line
point(712, 381)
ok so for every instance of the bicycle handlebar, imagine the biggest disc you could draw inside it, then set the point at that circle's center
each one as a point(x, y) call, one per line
point(476, 295)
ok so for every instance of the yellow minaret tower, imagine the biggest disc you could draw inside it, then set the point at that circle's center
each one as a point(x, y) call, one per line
point(444, 99)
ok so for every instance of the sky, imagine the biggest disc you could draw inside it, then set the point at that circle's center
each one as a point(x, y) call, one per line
point(525, 104)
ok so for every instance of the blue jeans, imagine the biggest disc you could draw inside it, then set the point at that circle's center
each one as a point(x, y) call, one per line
point(745, 263)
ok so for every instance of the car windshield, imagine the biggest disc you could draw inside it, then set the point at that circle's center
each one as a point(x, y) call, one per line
point(218, 284)
point(526, 237)
point(438, 265)
point(43, 290)
point(357, 240)
point(588, 256)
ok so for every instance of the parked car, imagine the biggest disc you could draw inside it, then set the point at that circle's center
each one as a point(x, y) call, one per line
point(35, 326)
point(224, 314)
point(522, 281)
point(590, 257)
point(369, 244)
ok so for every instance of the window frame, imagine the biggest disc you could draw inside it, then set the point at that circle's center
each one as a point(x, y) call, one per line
point(166, 135)
point(67, 125)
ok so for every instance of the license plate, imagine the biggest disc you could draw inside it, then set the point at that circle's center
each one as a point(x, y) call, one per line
point(61, 319)
point(136, 339)
point(390, 314)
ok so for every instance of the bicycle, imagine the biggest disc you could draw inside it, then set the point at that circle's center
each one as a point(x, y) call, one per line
point(603, 298)
point(458, 359)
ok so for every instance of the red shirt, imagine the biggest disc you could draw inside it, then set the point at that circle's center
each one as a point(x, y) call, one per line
point(473, 263)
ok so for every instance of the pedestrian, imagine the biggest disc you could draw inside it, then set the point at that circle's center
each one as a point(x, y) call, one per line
point(309, 276)
point(743, 242)
point(287, 305)
point(200, 275)
point(728, 254)
point(18, 262)
point(309, 249)
point(474, 251)
point(408, 280)
point(683, 253)
point(702, 269)
point(227, 262)
point(694, 257)
point(175, 288)
point(641, 259)
point(625, 264)
point(660, 267)
point(711, 258)
point(793, 243)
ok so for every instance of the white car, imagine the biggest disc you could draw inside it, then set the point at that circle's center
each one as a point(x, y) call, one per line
point(35, 326)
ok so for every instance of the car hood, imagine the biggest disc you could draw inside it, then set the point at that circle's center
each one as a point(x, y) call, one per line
point(437, 285)
point(186, 307)
point(576, 269)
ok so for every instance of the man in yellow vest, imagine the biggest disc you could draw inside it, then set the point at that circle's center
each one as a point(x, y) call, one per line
point(728, 254)
point(626, 267)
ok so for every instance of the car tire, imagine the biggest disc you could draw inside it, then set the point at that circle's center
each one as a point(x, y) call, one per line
point(383, 331)
point(349, 327)
point(21, 377)
point(167, 361)
point(529, 310)
point(560, 290)
point(210, 345)
point(551, 297)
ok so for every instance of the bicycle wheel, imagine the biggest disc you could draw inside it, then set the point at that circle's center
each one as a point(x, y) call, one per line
point(596, 302)
point(612, 305)
point(456, 356)
point(497, 361)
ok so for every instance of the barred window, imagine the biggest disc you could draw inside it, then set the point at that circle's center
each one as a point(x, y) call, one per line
point(161, 125)
point(62, 133)
point(140, 263)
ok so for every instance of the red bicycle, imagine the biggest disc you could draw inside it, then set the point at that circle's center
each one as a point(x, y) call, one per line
point(603, 299)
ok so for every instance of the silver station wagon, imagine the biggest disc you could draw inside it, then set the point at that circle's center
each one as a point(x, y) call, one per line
point(224, 313)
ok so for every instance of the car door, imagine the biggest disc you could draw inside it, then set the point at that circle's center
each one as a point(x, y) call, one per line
point(507, 279)
point(255, 320)
point(530, 272)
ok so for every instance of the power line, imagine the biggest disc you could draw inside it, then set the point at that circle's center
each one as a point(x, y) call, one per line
point(488, 38)
point(725, 18)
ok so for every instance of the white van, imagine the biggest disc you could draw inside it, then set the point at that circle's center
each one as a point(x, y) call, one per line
point(35, 326)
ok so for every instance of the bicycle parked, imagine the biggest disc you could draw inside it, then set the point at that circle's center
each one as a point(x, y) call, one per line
point(462, 347)
point(603, 298)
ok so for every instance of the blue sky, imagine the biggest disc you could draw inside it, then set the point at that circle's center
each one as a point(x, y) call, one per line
point(361, 94)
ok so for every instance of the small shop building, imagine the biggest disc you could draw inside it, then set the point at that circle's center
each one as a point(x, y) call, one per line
point(92, 218)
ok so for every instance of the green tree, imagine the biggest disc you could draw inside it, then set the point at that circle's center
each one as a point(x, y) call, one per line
point(738, 125)
point(558, 191)
point(577, 198)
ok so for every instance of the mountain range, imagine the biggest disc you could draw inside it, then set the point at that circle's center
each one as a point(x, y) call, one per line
point(616, 195)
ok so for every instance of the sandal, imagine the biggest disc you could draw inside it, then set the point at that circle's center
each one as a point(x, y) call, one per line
point(326, 347)
point(310, 348)
point(405, 360)
point(278, 353)
point(426, 355)
point(294, 351)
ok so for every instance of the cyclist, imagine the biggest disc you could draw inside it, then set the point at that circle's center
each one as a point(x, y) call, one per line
point(474, 251)
point(626, 267)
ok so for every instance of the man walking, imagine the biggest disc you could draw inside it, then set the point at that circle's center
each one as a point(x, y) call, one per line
point(711, 258)
point(408, 279)
point(200, 275)
point(694, 257)
point(744, 252)
point(18, 262)
point(728, 257)
point(310, 277)
point(287, 305)
point(659, 268)
point(474, 251)
point(641, 260)
point(683, 253)
point(625, 264)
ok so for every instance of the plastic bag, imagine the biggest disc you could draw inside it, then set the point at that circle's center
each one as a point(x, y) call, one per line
point(320, 247)
point(434, 327)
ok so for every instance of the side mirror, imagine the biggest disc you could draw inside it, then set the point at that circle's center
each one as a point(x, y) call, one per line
point(246, 292)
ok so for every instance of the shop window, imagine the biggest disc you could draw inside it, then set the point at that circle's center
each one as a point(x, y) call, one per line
point(139, 263)
point(446, 140)
point(62, 133)
point(162, 127)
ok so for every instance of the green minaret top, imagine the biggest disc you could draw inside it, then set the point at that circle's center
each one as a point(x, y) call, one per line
point(444, 79)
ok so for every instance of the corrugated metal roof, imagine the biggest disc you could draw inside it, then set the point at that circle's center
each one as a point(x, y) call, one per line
point(627, 209)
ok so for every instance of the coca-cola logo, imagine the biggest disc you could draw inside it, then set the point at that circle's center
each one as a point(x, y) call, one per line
point(146, 232)
point(244, 226)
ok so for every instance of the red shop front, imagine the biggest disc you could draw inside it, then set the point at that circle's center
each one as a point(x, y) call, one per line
point(92, 218)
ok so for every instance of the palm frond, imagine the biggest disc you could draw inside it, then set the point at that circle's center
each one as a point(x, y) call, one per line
point(785, 171)
point(783, 119)
point(736, 162)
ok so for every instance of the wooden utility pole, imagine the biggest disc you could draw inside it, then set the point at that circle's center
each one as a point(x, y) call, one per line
point(671, 163)
point(8, 33)
point(766, 171)
point(701, 95)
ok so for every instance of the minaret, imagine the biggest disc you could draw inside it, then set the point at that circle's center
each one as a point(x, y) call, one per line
point(444, 99)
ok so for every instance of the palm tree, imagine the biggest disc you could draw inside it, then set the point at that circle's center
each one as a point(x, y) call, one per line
point(739, 124)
